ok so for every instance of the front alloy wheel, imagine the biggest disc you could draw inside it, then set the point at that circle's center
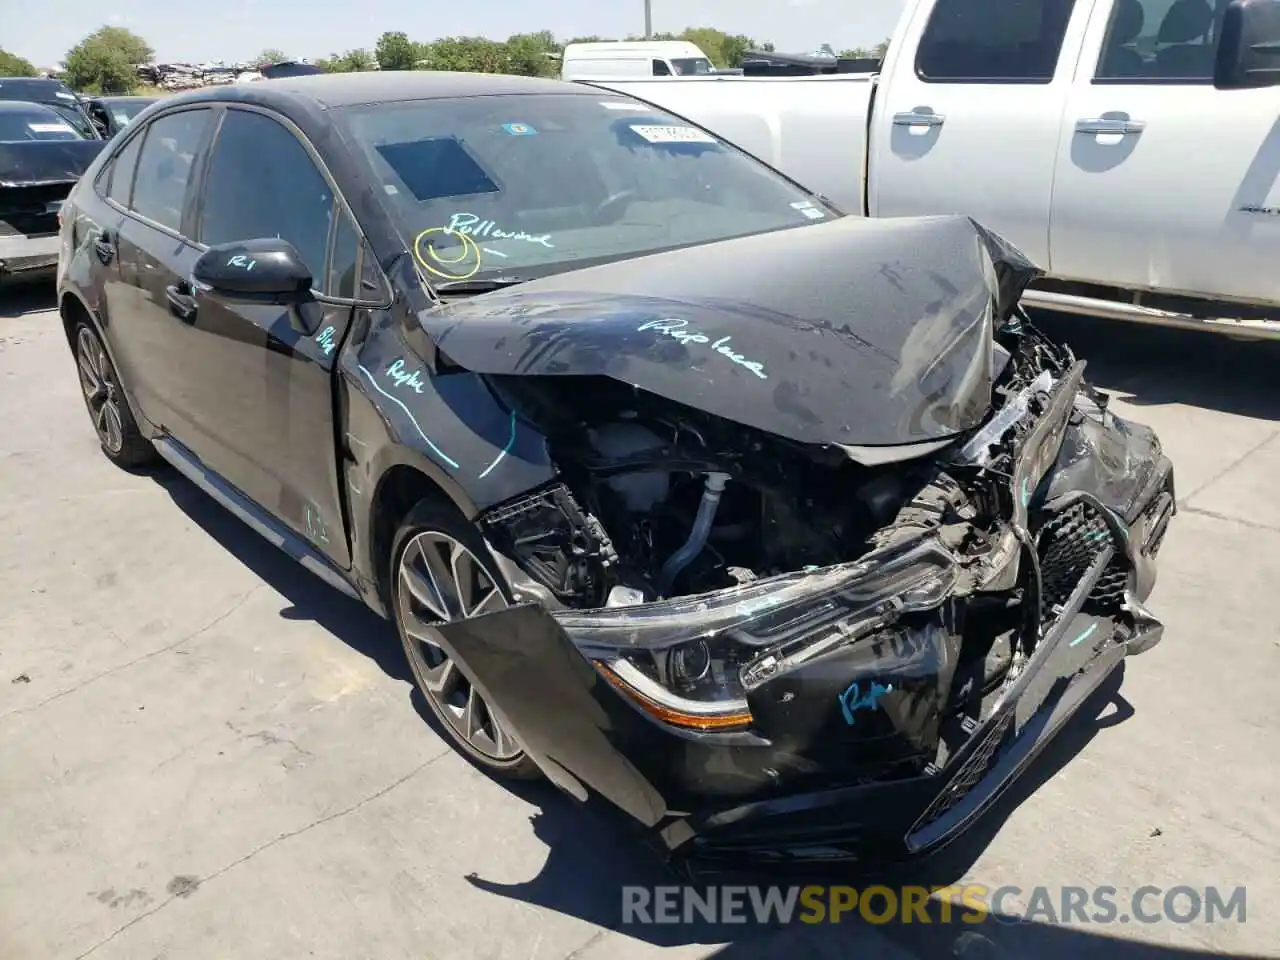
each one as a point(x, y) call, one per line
point(440, 579)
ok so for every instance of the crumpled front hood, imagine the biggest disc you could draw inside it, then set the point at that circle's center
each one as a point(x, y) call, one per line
point(854, 332)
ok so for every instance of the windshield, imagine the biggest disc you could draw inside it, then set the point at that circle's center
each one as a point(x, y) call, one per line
point(688, 66)
point(530, 185)
point(35, 123)
point(76, 118)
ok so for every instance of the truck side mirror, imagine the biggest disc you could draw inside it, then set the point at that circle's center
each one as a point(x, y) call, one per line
point(1248, 46)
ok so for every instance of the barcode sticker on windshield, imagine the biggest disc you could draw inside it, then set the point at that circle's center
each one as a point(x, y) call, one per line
point(49, 128)
point(668, 134)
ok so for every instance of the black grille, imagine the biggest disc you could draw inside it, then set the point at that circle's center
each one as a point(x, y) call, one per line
point(1068, 545)
point(970, 773)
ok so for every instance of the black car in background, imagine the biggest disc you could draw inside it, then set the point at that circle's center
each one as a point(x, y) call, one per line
point(42, 155)
point(786, 532)
point(53, 94)
point(112, 114)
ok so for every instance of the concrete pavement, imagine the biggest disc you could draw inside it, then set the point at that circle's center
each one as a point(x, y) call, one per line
point(206, 753)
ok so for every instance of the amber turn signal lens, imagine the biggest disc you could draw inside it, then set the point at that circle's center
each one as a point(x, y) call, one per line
point(722, 723)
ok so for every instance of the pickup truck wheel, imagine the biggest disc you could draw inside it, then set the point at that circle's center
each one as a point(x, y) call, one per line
point(118, 432)
point(441, 572)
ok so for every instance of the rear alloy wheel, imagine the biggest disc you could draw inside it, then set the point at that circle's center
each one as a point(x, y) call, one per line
point(118, 432)
point(443, 574)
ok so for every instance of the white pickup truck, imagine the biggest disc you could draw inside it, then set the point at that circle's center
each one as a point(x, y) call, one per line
point(1130, 147)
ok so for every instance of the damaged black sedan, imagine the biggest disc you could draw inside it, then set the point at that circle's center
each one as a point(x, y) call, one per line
point(785, 532)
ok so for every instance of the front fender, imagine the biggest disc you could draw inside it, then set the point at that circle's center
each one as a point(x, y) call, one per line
point(452, 428)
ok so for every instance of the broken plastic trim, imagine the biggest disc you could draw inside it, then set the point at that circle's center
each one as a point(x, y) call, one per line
point(755, 632)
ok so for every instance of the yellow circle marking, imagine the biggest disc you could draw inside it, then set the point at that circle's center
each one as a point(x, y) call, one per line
point(469, 250)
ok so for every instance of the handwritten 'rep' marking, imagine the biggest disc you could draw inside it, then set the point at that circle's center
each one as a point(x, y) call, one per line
point(853, 699)
point(405, 378)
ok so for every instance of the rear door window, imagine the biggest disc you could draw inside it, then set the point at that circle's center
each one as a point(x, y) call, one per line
point(164, 166)
point(261, 183)
point(120, 178)
point(993, 41)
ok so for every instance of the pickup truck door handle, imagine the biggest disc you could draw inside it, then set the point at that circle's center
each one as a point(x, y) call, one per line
point(1107, 125)
point(914, 119)
point(181, 303)
point(104, 248)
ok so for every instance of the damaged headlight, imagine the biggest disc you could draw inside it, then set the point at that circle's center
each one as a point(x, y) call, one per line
point(692, 661)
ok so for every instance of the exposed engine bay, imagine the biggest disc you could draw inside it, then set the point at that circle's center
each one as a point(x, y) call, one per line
point(660, 500)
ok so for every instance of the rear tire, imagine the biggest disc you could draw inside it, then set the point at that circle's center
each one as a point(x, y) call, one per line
point(441, 571)
point(118, 433)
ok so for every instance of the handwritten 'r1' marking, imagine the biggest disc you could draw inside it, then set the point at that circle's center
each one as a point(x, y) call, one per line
point(675, 329)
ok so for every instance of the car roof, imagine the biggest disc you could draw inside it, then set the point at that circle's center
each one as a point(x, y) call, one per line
point(121, 99)
point(375, 86)
point(26, 106)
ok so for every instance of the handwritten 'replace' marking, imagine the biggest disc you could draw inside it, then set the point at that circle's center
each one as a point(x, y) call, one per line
point(405, 378)
point(326, 341)
point(853, 699)
point(675, 329)
point(470, 225)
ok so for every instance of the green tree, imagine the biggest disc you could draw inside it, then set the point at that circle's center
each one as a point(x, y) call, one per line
point(475, 54)
point(531, 54)
point(12, 65)
point(395, 51)
point(269, 56)
point(105, 61)
point(353, 61)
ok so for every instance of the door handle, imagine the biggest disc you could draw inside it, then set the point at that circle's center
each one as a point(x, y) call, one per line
point(181, 304)
point(1107, 125)
point(913, 119)
point(103, 247)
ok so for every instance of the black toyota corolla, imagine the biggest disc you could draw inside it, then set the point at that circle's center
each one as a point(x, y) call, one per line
point(784, 531)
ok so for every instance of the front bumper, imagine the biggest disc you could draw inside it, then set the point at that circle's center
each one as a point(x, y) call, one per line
point(804, 785)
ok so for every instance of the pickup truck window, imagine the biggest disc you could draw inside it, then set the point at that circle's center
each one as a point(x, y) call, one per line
point(660, 68)
point(1160, 41)
point(993, 41)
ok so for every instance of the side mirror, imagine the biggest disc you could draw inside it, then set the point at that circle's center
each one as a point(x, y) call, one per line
point(1248, 46)
point(254, 271)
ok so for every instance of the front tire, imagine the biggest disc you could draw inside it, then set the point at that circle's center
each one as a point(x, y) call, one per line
point(441, 571)
point(118, 433)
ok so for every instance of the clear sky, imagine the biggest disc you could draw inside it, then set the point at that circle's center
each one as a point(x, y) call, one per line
point(183, 30)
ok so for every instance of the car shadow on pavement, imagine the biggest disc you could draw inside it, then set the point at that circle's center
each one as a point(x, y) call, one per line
point(18, 297)
point(1153, 366)
point(310, 598)
point(592, 856)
